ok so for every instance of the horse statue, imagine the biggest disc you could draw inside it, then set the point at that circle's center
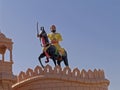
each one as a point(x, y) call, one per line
point(51, 50)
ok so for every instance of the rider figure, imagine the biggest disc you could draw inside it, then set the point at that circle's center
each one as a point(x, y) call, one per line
point(55, 38)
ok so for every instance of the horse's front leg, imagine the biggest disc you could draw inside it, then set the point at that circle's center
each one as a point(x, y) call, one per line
point(39, 58)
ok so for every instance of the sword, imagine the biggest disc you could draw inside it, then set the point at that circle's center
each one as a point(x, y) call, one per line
point(38, 32)
point(37, 28)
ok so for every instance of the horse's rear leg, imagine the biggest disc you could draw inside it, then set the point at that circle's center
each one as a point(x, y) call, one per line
point(58, 62)
point(54, 61)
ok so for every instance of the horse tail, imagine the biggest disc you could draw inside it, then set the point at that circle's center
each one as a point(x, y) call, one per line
point(66, 59)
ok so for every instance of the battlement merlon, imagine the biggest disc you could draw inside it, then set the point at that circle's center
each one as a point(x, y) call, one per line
point(76, 75)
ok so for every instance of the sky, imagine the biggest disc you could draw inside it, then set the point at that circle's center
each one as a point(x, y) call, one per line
point(90, 31)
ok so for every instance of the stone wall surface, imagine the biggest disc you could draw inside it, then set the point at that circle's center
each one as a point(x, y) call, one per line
point(61, 79)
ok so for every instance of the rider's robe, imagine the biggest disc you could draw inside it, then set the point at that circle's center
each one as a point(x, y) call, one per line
point(55, 38)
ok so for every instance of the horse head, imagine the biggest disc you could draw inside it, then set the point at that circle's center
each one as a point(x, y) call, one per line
point(43, 37)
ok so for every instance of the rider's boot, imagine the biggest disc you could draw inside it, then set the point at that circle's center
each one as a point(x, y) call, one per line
point(47, 60)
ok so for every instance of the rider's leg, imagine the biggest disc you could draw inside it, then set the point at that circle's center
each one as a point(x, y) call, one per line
point(60, 55)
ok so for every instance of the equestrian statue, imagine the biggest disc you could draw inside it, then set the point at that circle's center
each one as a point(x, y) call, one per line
point(51, 49)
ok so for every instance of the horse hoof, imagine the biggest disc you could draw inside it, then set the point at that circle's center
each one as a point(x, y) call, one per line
point(46, 61)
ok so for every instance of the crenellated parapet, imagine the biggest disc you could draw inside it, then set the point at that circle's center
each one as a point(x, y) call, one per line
point(82, 76)
point(58, 78)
